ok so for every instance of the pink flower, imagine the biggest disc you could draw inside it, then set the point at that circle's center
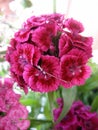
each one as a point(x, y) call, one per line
point(74, 70)
point(13, 115)
point(34, 22)
point(22, 35)
point(65, 44)
point(11, 49)
point(78, 117)
point(54, 37)
point(15, 119)
point(74, 26)
point(44, 77)
point(83, 43)
point(8, 100)
point(7, 96)
point(41, 38)
point(37, 21)
point(69, 41)
point(25, 54)
point(20, 81)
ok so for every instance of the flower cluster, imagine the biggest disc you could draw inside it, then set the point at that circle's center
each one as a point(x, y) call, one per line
point(49, 51)
point(13, 115)
point(78, 118)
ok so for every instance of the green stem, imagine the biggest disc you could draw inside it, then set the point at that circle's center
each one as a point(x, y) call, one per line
point(51, 102)
point(36, 122)
point(68, 8)
point(39, 120)
point(54, 6)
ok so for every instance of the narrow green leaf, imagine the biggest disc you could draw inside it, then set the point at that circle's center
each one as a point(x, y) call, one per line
point(95, 104)
point(68, 98)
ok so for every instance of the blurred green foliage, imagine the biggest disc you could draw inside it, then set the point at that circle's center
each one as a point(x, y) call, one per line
point(88, 92)
point(26, 3)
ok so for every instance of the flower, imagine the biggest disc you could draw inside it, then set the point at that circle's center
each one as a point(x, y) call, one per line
point(24, 54)
point(15, 119)
point(70, 41)
point(22, 35)
point(78, 117)
point(74, 70)
point(7, 97)
point(49, 51)
point(74, 26)
point(42, 77)
point(41, 38)
point(13, 115)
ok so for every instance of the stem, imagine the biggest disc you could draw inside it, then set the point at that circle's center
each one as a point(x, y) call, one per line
point(51, 102)
point(36, 122)
point(54, 6)
point(39, 120)
point(68, 8)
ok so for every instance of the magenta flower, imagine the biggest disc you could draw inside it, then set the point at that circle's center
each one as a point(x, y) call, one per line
point(7, 97)
point(83, 43)
point(79, 117)
point(65, 45)
point(22, 35)
point(20, 81)
point(74, 26)
point(74, 70)
point(11, 49)
point(15, 119)
point(42, 41)
point(70, 41)
point(44, 77)
point(25, 54)
point(37, 21)
point(41, 38)
point(13, 115)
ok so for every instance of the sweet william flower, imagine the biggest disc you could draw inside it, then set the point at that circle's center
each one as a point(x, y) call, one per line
point(41, 38)
point(82, 43)
point(47, 38)
point(36, 21)
point(44, 77)
point(21, 56)
point(78, 117)
point(16, 119)
point(74, 26)
point(70, 41)
point(7, 97)
point(13, 115)
point(20, 81)
point(74, 70)
point(25, 54)
point(65, 45)
point(22, 35)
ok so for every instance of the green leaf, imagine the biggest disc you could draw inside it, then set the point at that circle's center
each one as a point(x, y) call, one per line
point(69, 96)
point(26, 102)
point(95, 104)
point(91, 83)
